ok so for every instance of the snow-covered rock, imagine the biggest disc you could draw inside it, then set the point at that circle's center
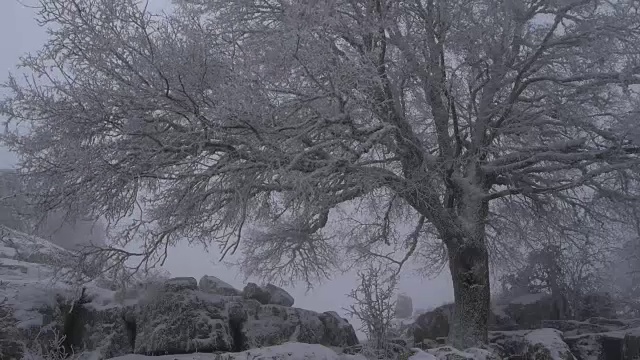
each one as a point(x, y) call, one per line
point(433, 324)
point(597, 346)
point(539, 344)
point(191, 320)
point(159, 317)
point(255, 292)
point(546, 344)
point(526, 312)
point(181, 283)
point(186, 320)
point(286, 351)
point(268, 294)
point(29, 298)
point(623, 344)
point(279, 296)
point(213, 285)
point(421, 355)
point(449, 353)
point(337, 330)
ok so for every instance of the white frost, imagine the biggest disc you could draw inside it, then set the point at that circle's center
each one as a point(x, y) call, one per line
point(421, 355)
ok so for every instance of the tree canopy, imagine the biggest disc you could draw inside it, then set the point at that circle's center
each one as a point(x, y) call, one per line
point(467, 119)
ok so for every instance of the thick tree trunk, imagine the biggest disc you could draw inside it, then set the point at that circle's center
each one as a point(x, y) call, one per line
point(469, 264)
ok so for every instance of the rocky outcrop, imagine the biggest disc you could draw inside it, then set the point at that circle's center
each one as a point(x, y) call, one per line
point(179, 319)
point(157, 317)
point(268, 294)
point(594, 339)
point(175, 318)
point(434, 324)
point(182, 321)
point(530, 311)
point(404, 306)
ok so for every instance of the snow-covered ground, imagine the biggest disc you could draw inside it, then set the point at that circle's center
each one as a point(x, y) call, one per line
point(287, 351)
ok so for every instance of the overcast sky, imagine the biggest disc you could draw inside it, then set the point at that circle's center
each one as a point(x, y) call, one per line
point(19, 33)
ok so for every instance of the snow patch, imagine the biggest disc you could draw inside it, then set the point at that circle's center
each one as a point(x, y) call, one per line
point(446, 353)
point(421, 355)
point(550, 339)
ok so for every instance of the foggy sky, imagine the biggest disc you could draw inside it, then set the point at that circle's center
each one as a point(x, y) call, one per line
point(19, 33)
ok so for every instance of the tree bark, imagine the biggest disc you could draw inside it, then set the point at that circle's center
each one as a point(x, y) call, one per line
point(469, 264)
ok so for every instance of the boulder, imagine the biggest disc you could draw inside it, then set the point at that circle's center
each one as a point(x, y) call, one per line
point(268, 325)
point(269, 294)
point(528, 311)
point(538, 344)
point(255, 292)
point(546, 344)
point(181, 283)
point(432, 324)
point(213, 285)
point(621, 344)
point(510, 343)
point(279, 296)
point(337, 330)
point(404, 306)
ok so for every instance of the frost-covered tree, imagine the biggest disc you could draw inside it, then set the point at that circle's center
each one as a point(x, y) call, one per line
point(567, 276)
point(457, 116)
point(374, 304)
